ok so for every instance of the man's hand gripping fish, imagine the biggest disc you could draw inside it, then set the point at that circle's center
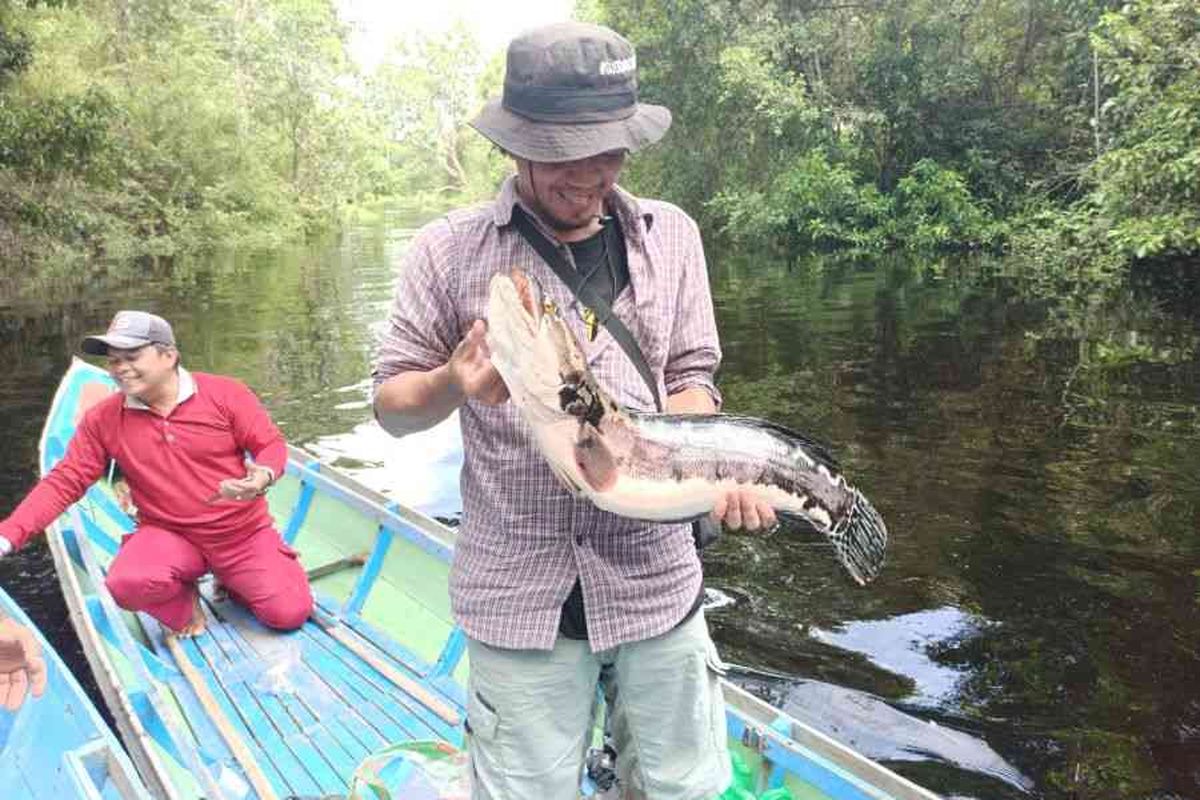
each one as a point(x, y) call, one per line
point(663, 467)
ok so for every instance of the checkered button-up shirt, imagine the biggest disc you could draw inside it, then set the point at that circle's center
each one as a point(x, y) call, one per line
point(524, 538)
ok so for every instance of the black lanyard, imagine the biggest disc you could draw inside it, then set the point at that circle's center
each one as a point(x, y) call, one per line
point(554, 258)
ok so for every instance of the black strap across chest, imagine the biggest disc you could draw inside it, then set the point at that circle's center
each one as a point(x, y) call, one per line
point(555, 259)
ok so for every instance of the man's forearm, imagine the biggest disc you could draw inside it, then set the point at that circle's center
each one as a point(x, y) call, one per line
point(414, 401)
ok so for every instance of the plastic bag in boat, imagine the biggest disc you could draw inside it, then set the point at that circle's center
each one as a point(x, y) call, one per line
point(420, 770)
point(745, 779)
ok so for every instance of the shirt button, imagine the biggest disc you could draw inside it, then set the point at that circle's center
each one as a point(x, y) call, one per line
point(579, 539)
point(170, 437)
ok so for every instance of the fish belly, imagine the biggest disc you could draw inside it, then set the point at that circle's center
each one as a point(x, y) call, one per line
point(660, 500)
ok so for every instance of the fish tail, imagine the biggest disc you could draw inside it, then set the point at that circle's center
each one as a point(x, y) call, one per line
point(859, 539)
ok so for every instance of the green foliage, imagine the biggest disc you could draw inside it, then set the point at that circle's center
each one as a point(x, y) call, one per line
point(812, 204)
point(924, 124)
point(428, 89)
point(971, 120)
point(933, 208)
point(1062, 256)
point(47, 136)
point(1148, 178)
point(184, 125)
point(15, 53)
point(180, 125)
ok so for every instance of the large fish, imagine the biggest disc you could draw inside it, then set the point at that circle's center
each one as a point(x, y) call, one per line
point(663, 467)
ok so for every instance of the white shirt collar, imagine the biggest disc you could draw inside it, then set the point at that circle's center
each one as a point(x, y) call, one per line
point(187, 388)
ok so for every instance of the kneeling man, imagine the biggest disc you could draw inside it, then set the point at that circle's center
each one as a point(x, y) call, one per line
point(181, 440)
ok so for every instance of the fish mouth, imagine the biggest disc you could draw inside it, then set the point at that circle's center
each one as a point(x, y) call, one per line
point(530, 343)
point(518, 294)
point(529, 293)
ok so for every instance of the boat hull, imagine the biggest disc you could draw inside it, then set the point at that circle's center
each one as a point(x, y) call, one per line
point(245, 712)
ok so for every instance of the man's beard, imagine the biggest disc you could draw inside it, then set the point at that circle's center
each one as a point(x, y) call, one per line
point(554, 222)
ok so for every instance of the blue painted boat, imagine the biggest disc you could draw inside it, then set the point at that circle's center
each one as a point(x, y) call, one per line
point(57, 745)
point(242, 712)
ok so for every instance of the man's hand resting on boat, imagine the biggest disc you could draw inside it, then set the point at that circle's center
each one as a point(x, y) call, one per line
point(740, 509)
point(22, 668)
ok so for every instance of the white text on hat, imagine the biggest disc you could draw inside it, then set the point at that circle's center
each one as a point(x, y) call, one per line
point(618, 67)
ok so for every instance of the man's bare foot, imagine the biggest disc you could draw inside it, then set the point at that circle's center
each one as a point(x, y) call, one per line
point(197, 624)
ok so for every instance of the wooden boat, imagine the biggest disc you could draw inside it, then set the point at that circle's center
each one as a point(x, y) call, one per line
point(57, 745)
point(243, 712)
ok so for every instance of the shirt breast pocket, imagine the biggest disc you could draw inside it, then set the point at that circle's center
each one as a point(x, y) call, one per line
point(207, 440)
point(652, 333)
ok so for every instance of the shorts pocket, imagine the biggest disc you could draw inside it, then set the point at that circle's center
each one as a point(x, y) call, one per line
point(287, 550)
point(712, 660)
point(482, 719)
point(717, 669)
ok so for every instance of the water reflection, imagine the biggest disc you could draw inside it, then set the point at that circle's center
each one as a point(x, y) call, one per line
point(386, 464)
point(902, 645)
point(884, 733)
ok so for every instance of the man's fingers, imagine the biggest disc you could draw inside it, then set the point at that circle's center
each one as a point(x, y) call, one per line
point(238, 489)
point(484, 350)
point(35, 665)
point(733, 513)
point(37, 675)
point(16, 688)
point(471, 341)
point(750, 518)
point(719, 508)
point(476, 338)
point(741, 509)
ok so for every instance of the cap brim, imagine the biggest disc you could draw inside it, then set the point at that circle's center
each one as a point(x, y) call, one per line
point(98, 345)
point(553, 142)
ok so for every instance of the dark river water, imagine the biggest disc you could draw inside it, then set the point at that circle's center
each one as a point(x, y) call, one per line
point(1036, 632)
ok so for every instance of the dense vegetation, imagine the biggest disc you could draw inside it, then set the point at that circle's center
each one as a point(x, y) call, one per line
point(1056, 127)
point(168, 126)
point(1064, 130)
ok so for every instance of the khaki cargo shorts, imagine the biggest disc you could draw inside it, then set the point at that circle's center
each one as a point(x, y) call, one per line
point(530, 717)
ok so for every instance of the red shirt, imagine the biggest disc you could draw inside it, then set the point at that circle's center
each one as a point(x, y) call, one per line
point(173, 464)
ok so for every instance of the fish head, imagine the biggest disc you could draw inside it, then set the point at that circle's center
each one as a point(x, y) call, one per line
point(534, 350)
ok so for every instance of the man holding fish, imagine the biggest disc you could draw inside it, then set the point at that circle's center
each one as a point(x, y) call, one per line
point(549, 588)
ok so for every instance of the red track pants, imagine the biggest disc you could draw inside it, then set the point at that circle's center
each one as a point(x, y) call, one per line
point(156, 571)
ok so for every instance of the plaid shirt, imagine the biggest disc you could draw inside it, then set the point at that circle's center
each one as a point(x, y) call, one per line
point(524, 537)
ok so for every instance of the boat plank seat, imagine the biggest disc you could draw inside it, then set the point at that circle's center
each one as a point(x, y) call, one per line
point(401, 585)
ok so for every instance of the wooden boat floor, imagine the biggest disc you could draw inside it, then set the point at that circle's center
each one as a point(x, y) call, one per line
point(305, 706)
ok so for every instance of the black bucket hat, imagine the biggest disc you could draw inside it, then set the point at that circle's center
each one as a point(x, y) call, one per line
point(570, 92)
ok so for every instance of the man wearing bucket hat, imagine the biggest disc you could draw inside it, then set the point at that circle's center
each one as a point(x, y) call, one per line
point(180, 439)
point(553, 593)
